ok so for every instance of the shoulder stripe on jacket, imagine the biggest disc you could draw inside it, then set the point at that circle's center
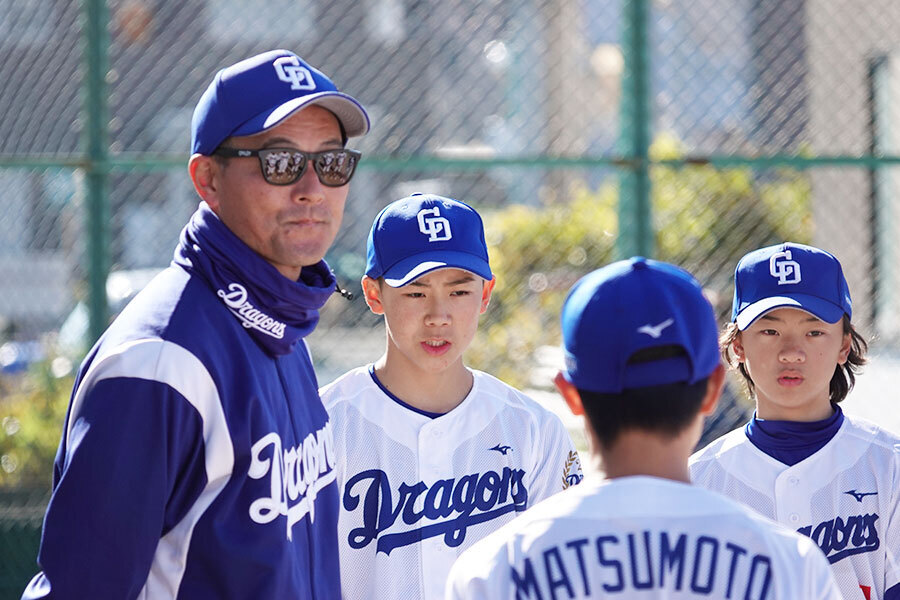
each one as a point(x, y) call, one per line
point(170, 364)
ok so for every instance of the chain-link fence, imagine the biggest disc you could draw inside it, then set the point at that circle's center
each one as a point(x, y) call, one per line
point(690, 130)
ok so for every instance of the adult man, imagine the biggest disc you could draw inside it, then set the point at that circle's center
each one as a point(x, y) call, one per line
point(196, 459)
point(642, 365)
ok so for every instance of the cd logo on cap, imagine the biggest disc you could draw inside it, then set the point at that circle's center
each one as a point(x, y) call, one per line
point(783, 268)
point(436, 227)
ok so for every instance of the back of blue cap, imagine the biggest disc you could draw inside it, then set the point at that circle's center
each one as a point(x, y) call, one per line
point(631, 306)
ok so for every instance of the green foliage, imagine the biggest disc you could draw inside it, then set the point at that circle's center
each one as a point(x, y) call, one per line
point(705, 219)
point(31, 419)
point(537, 253)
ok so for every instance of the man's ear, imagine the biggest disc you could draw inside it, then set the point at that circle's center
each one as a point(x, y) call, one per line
point(569, 393)
point(204, 173)
point(714, 386)
point(372, 294)
point(486, 290)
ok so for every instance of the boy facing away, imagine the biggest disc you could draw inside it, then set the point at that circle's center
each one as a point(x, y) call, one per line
point(642, 365)
point(800, 460)
point(432, 455)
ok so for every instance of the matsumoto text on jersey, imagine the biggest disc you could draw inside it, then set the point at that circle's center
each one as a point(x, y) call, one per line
point(641, 537)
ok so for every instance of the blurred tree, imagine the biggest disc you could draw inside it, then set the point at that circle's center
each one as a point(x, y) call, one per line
point(537, 253)
point(31, 420)
point(705, 219)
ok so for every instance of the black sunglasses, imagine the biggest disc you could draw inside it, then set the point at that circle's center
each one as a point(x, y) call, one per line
point(284, 166)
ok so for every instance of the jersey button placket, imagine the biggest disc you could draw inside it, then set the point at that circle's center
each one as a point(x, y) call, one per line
point(789, 505)
point(429, 449)
point(431, 452)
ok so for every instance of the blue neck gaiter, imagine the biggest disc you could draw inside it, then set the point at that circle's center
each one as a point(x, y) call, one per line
point(276, 311)
point(792, 441)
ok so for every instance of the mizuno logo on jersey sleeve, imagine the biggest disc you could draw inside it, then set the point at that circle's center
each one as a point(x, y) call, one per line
point(501, 449)
point(447, 507)
point(860, 495)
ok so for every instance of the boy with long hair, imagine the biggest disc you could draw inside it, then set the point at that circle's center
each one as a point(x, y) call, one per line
point(800, 460)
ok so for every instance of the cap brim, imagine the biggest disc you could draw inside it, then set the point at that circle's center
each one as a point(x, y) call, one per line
point(414, 267)
point(817, 307)
point(349, 112)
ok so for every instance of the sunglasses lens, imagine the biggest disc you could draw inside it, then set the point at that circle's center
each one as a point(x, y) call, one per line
point(282, 167)
point(335, 168)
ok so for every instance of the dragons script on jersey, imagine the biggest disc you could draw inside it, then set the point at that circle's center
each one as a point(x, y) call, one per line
point(418, 489)
point(846, 497)
point(642, 537)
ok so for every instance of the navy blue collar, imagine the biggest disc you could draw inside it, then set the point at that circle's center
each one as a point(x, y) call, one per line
point(430, 415)
point(793, 441)
point(276, 311)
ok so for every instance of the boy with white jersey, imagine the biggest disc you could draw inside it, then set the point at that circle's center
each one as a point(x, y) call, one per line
point(432, 456)
point(642, 365)
point(800, 460)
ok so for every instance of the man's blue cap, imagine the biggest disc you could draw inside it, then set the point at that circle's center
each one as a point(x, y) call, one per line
point(789, 276)
point(259, 92)
point(631, 306)
point(424, 232)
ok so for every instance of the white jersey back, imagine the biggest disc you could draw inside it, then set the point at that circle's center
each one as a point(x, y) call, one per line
point(846, 497)
point(642, 537)
point(416, 491)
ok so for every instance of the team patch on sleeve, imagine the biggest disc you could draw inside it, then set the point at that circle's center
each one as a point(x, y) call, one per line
point(572, 474)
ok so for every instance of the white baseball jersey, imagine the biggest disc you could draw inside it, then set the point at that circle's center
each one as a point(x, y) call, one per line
point(642, 537)
point(416, 490)
point(846, 497)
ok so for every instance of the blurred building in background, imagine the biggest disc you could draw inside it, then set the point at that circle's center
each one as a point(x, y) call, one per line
point(766, 120)
point(521, 80)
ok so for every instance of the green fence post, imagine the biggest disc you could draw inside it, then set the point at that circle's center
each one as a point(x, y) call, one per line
point(635, 226)
point(96, 48)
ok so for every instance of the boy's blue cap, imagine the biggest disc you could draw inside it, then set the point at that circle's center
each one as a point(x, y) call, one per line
point(424, 232)
point(259, 92)
point(633, 305)
point(789, 276)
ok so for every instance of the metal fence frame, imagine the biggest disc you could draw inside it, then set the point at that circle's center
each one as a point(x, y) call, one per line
point(632, 163)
